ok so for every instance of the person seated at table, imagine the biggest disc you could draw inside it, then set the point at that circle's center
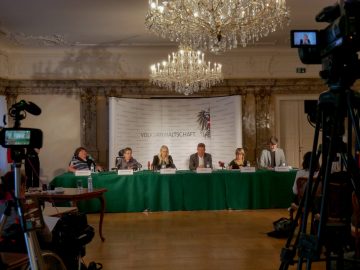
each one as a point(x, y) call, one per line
point(239, 160)
point(304, 173)
point(200, 159)
point(82, 161)
point(127, 161)
point(299, 187)
point(163, 159)
point(272, 157)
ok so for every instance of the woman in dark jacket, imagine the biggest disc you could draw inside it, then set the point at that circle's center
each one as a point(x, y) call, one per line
point(239, 160)
point(163, 159)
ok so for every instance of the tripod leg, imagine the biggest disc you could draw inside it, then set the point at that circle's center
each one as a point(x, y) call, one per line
point(305, 242)
point(31, 241)
point(289, 251)
point(354, 120)
point(353, 123)
point(34, 252)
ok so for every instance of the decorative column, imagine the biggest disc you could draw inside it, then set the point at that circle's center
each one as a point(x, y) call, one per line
point(262, 118)
point(88, 116)
point(248, 125)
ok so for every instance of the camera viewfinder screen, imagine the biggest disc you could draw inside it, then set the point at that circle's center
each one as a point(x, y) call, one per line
point(17, 137)
point(303, 38)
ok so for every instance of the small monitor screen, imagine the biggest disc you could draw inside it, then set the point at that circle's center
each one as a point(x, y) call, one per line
point(302, 38)
point(17, 137)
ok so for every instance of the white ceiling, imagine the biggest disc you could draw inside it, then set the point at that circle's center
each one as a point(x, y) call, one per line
point(112, 23)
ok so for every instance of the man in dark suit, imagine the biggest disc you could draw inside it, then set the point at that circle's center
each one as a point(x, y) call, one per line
point(200, 159)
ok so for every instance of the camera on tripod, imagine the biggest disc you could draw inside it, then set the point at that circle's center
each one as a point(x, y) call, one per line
point(17, 138)
point(324, 219)
point(335, 46)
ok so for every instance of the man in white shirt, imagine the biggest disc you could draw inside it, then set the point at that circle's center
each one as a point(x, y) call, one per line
point(200, 159)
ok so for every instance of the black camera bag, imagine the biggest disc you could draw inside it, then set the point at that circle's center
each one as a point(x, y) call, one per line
point(72, 232)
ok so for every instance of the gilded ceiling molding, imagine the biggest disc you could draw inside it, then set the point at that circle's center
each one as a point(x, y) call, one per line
point(23, 39)
point(3, 83)
point(143, 89)
point(44, 87)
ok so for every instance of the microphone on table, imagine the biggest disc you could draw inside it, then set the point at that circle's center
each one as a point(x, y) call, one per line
point(137, 167)
point(90, 161)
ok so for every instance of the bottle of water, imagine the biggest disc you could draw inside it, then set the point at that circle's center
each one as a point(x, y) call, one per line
point(92, 167)
point(90, 183)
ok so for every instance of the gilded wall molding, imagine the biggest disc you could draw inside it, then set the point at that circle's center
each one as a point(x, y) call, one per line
point(143, 89)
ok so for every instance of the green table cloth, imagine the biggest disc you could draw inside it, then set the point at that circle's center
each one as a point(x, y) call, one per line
point(187, 190)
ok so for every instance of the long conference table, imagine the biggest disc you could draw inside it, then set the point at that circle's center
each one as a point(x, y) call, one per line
point(186, 190)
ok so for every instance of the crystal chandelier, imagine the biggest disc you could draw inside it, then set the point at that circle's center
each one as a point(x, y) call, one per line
point(185, 72)
point(217, 25)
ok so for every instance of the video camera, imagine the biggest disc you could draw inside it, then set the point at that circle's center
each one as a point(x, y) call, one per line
point(21, 138)
point(18, 137)
point(336, 46)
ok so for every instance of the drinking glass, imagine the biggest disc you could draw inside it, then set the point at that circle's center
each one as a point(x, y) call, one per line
point(79, 184)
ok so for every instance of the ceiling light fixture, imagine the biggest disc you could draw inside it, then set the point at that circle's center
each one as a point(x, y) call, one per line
point(217, 25)
point(186, 72)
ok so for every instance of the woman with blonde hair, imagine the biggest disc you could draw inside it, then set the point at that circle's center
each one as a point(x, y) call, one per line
point(163, 159)
point(239, 160)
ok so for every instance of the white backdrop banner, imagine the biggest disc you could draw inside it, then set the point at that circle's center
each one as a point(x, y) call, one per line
point(147, 124)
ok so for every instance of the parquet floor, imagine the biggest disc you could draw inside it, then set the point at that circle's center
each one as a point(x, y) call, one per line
point(193, 240)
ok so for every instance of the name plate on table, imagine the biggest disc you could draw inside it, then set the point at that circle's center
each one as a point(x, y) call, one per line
point(126, 172)
point(282, 169)
point(168, 171)
point(204, 170)
point(83, 173)
point(247, 169)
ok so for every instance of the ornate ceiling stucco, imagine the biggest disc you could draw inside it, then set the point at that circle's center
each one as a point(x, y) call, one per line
point(114, 23)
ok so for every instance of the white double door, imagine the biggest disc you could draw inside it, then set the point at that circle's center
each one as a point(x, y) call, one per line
point(293, 128)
